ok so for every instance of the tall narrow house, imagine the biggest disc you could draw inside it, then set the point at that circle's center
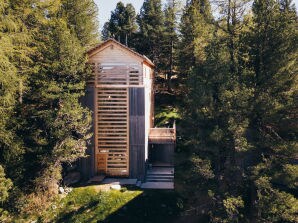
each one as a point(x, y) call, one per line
point(121, 98)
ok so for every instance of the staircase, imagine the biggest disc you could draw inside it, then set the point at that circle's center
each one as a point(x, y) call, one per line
point(159, 178)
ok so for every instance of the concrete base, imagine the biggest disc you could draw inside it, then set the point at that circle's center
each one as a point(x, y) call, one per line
point(119, 181)
point(96, 179)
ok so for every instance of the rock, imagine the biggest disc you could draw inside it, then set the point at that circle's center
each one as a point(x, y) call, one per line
point(72, 178)
point(61, 190)
point(116, 187)
point(68, 190)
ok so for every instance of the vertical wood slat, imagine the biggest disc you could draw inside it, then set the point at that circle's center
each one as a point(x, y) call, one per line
point(112, 133)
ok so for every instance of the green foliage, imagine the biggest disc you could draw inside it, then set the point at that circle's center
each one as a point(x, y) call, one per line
point(86, 204)
point(42, 78)
point(240, 105)
point(168, 59)
point(81, 17)
point(5, 185)
point(195, 30)
point(201, 168)
point(151, 26)
point(59, 125)
point(232, 206)
point(238, 71)
point(122, 24)
point(274, 205)
point(165, 116)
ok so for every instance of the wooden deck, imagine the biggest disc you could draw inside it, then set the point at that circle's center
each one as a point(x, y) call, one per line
point(162, 135)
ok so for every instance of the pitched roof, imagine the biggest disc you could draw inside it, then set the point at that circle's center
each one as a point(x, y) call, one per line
point(145, 59)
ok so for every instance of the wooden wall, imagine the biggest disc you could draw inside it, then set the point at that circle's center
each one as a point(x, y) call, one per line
point(86, 165)
point(122, 101)
point(137, 132)
point(114, 54)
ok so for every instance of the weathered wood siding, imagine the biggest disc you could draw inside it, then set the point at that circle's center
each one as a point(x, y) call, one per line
point(137, 132)
point(123, 93)
point(86, 165)
point(114, 54)
point(112, 133)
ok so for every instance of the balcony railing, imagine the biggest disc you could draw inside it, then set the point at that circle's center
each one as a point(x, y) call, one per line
point(162, 135)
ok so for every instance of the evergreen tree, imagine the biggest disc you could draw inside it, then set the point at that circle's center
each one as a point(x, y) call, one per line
point(81, 17)
point(105, 33)
point(122, 24)
point(170, 39)
point(195, 31)
point(151, 34)
point(5, 186)
point(57, 126)
point(15, 67)
point(219, 101)
point(274, 56)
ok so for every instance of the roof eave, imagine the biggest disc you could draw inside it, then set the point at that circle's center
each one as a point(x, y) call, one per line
point(98, 46)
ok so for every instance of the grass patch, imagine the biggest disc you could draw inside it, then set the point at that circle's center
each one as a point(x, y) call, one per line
point(90, 204)
point(87, 204)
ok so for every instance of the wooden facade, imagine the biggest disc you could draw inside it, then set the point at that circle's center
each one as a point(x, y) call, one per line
point(121, 96)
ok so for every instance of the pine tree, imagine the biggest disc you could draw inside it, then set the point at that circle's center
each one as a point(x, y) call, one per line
point(274, 55)
point(151, 26)
point(81, 17)
point(195, 31)
point(55, 126)
point(170, 40)
point(15, 67)
point(5, 186)
point(219, 94)
point(122, 24)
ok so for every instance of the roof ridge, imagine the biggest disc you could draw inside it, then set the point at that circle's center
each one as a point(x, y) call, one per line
point(122, 45)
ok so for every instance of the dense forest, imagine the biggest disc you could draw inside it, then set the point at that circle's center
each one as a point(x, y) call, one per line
point(226, 71)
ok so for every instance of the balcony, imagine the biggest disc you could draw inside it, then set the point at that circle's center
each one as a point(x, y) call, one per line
point(162, 135)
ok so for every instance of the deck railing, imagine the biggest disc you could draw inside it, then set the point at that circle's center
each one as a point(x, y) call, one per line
point(162, 135)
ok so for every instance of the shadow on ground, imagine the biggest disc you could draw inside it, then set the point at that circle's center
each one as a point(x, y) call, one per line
point(151, 206)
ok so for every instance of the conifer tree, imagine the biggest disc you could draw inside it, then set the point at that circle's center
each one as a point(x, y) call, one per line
point(170, 62)
point(195, 29)
point(122, 24)
point(151, 30)
point(15, 67)
point(219, 97)
point(274, 56)
point(81, 18)
point(5, 186)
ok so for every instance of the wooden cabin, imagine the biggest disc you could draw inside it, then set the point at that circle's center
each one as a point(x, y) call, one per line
point(121, 97)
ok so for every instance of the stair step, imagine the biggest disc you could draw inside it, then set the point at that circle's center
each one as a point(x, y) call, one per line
point(160, 174)
point(158, 185)
point(159, 180)
point(161, 177)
